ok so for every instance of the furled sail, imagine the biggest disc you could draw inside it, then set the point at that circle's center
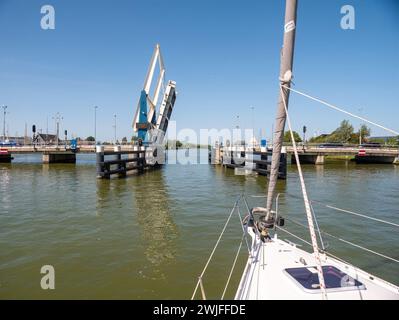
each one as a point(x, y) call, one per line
point(287, 57)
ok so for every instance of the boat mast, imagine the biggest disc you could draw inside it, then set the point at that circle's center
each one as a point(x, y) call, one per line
point(287, 57)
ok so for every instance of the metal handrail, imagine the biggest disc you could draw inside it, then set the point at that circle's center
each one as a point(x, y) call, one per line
point(200, 282)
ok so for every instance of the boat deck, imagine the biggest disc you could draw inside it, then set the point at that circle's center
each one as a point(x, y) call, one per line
point(266, 276)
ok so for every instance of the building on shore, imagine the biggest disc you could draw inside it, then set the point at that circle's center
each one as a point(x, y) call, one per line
point(46, 139)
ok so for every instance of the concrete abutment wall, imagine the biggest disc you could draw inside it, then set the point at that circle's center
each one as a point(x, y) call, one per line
point(59, 157)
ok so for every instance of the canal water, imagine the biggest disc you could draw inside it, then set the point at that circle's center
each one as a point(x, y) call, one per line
point(149, 236)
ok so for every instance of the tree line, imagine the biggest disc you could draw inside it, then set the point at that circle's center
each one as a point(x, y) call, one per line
point(345, 133)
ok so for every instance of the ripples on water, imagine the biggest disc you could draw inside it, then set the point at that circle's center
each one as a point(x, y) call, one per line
point(149, 236)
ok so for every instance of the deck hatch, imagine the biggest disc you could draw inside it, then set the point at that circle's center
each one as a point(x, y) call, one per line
point(335, 280)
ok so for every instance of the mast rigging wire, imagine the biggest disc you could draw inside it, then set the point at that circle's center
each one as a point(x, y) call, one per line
point(340, 109)
point(307, 204)
point(348, 211)
point(337, 209)
point(345, 241)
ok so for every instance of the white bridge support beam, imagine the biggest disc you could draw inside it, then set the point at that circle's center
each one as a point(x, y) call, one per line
point(152, 102)
point(157, 124)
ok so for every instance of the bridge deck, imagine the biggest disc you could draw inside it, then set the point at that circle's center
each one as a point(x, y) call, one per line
point(60, 149)
point(345, 151)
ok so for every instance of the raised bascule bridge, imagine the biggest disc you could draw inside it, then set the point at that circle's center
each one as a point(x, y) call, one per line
point(150, 124)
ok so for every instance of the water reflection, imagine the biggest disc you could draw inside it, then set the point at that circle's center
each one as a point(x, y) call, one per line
point(103, 195)
point(154, 213)
point(110, 194)
point(5, 181)
point(319, 171)
point(45, 169)
point(151, 204)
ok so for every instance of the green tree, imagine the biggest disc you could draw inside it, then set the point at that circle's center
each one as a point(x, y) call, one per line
point(178, 144)
point(365, 131)
point(173, 144)
point(90, 138)
point(354, 138)
point(392, 141)
point(377, 140)
point(287, 136)
point(319, 139)
point(343, 133)
point(124, 140)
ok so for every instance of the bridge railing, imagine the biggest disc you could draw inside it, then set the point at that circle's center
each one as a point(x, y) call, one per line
point(343, 145)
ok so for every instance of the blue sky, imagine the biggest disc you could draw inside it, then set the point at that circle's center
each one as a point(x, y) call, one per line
point(224, 56)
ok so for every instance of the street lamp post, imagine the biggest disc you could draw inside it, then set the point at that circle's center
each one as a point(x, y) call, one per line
point(252, 125)
point(233, 136)
point(360, 130)
point(58, 132)
point(57, 119)
point(4, 122)
point(252, 117)
point(95, 124)
point(114, 128)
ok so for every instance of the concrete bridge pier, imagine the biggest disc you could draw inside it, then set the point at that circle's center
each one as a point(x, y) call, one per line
point(396, 161)
point(309, 158)
point(59, 157)
point(5, 158)
point(320, 159)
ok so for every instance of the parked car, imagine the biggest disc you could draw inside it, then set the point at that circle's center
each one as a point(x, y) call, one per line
point(331, 145)
point(370, 145)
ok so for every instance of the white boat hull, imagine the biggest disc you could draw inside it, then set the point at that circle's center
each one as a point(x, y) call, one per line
point(265, 276)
